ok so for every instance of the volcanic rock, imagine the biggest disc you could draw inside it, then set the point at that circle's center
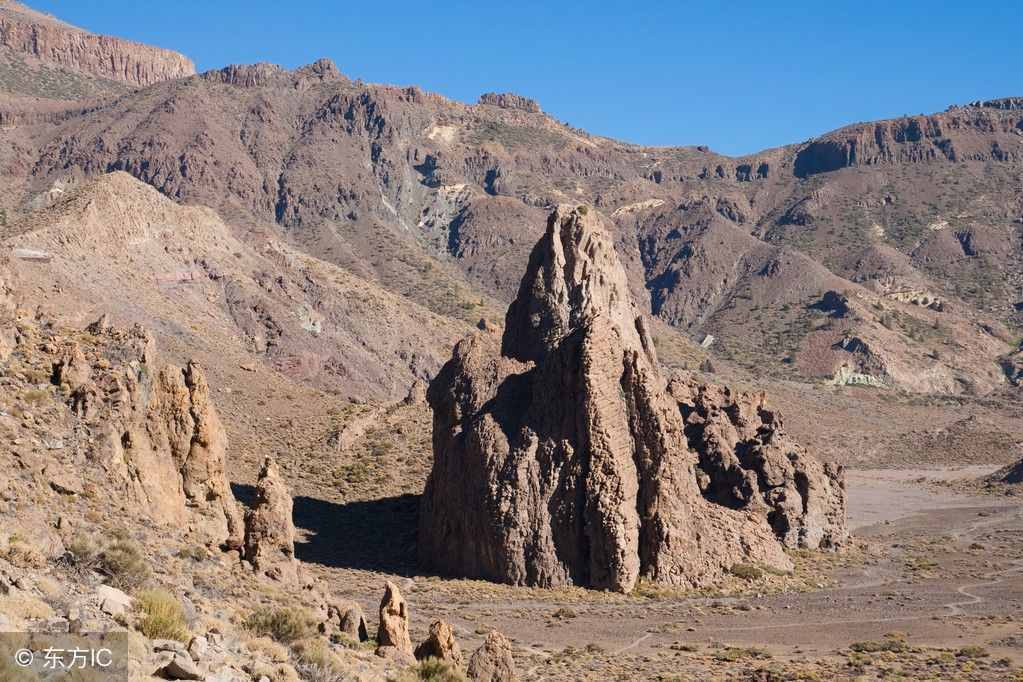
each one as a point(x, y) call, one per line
point(269, 529)
point(747, 462)
point(561, 458)
point(157, 434)
point(53, 42)
point(493, 661)
point(441, 645)
point(393, 632)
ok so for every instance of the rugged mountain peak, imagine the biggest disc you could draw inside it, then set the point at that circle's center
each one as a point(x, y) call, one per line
point(38, 36)
point(573, 276)
point(509, 100)
point(562, 459)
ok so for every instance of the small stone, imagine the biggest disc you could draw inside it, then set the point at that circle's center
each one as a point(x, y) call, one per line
point(181, 667)
point(198, 648)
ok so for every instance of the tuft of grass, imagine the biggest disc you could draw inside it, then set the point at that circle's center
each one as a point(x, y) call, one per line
point(284, 625)
point(314, 652)
point(431, 670)
point(161, 616)
point(747, 571)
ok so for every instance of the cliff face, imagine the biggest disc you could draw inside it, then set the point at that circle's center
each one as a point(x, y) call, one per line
point(40, 37)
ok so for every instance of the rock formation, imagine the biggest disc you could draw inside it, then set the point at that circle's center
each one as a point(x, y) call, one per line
point(561, 458)
point(747, 462)
point(509, 100)
point(393, 638)
point(493, 661)
point(156, 432)
point(40, 37)
point(269, 529)
point(441, 645)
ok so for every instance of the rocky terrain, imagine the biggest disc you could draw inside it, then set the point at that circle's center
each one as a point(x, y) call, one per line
point(308, 378)
point(600, 488)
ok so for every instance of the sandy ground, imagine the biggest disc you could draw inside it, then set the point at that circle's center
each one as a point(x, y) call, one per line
point(946, 569)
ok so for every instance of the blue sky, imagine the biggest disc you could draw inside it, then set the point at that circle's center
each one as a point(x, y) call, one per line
point(737, 76)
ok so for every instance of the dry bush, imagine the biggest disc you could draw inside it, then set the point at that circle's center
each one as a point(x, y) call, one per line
point(282, 624)
point(161, 616)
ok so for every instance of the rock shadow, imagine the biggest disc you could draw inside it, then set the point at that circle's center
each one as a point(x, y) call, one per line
point(370, 535)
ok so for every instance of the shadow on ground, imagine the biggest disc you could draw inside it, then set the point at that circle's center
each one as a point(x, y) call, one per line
point(369, 535)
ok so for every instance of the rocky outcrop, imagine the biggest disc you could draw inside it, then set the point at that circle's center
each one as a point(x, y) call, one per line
point(52, 42)
point(493, 661)
point(269, 529)
point(441, 645)
point(393, 640)
point(509, 100)
point(747, 462)
point(561, 458)
point(155, 432)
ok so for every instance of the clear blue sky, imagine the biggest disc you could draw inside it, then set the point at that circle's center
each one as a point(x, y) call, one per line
point(738, 76)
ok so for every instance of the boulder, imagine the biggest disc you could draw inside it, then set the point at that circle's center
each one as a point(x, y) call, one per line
point(269, 529)
point(394, 626)
point(599, 485)
point(493, 661)
point(441, 644)
point(352, 622)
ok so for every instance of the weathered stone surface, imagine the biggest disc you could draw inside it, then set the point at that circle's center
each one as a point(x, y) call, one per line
point(441, 644)
point(35, 35)
point(159, 437)
point(269, 529)
point(71, 370)
point(394, 625)
point(561, 458)
point(747, 462)
point(352, 622)
point(509, 100)
point(493, 661)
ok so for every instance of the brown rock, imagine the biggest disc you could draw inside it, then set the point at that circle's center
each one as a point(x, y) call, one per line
point(441, 644)
point(493, 661)
point(394, 627)
point(269, 529)
point(71, 370)
point(598, 487)
point(35, 35)
point(159, 439)
point(353, 623)
point(747, 462)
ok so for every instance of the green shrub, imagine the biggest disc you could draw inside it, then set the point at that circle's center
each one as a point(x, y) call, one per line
point(282, 624)
point(161, 616)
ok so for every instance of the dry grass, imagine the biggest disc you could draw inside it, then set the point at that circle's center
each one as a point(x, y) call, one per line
point(161, 616)
point(284, 625)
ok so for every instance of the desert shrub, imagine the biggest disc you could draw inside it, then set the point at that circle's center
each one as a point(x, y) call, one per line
point(161, 616)
point(123, 562)
point(22, 554)
point(564, 613)
point(894, 642)
point(268, 649)
point(746, 571)
point(431, 670)
point(315, 652)
point(282, 624)
point(972, 651)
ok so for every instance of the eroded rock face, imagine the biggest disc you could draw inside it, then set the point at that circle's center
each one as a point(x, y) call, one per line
point(747, 462)
point(157, 434)
point(559, 455)
point(441, 644)
point(269, 529)
point(53, 42)
point(393, 632)
point(493, 661)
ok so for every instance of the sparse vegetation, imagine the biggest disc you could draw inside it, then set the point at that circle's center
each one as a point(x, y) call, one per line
point(161, 615)
point(431, 670)
point(284, 625)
